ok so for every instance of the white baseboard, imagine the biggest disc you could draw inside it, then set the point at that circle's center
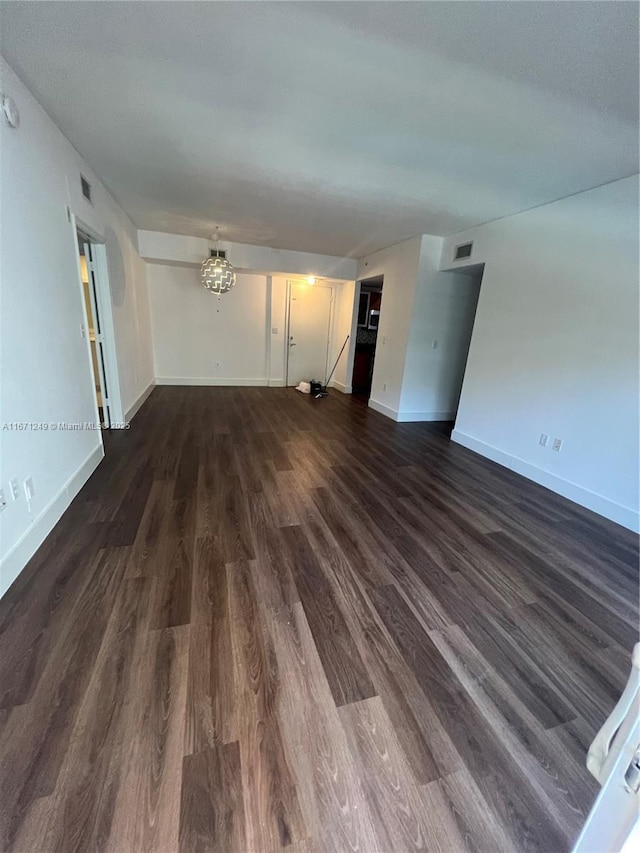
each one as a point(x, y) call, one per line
point(133, 410)
point(486, 450)
point(210, 380)
point(276, 383)
point(623, 515)
point(17, 558)
point(414, 417)
point(387, 411)
point(346, 389)
point(410, 417)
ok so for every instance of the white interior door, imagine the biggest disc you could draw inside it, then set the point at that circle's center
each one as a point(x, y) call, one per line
point(309, 329)
point(98, 331)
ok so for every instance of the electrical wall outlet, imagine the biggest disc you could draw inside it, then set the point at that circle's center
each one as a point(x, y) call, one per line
point(3, 500)
point(15, 488)
point(29, 490)
point(557, 444)
point(29, 493)
point(384, 387)
point(434, 345)
point(544, 439)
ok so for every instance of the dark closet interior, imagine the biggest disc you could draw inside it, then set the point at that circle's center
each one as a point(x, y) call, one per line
point(366, 335)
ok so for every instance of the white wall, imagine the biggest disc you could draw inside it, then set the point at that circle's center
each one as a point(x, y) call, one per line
point(245, 330)
point(420, 304)
point(173, 268)
point(193, 329)
point(45, 364)
point(555, 347)
point(443, 312)
point(399, 266)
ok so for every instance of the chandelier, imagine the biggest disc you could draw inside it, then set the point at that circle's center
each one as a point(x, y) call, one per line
point(217, 274)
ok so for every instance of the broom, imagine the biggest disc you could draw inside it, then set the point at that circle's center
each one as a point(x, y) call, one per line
point(323, 388)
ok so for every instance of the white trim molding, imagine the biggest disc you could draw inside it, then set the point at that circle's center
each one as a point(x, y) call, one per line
point(17, 558)
point(403, 417)
point(346, 389)
point(626, 516)
point(413, 417)
point(133, 410)
point(387, 411)
point(209, 380)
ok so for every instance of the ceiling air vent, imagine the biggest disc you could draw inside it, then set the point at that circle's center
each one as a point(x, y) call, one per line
point(86, 188)
point(462, 251)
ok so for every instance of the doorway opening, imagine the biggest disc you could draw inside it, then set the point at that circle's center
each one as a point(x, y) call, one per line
point(369, 304)
point(309, 331)
point(461, 304)
point(98, 330)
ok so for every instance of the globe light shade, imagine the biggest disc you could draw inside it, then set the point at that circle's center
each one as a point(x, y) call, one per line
point(217, 274)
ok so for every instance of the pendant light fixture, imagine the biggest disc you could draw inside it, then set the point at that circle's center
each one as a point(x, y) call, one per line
point(217, 274)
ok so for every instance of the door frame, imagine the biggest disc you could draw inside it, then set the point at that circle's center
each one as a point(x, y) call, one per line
point(332, 306)
point(98, 341)
point(103, 298)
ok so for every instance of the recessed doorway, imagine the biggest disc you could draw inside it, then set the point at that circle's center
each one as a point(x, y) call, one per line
point(369, 305)
point(464, 294)
point(309, 331)
point(98, 329)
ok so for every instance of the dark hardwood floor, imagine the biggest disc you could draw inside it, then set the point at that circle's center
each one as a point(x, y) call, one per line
point(272, 622)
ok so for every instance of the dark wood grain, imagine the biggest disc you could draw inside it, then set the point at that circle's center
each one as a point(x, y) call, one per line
point(147, 808)
point(211, 697)
point(274, 816)
point(485, 754)
point(36, 736)
point(274, 623)
point(187, 472)
point(172, 596)
point(387, 780)
point(89, 779)
point(347, 676)
point(39, 615)
point(212, 816)
point(123, 529)
point(234, 529)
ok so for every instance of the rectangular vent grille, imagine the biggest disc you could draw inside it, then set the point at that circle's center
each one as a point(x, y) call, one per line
point(218, 253)
point(86, 188)
point(463, 251)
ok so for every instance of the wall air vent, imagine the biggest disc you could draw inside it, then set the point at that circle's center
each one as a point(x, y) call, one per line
point(462, 251)
point(218, 253)
point(86, 188)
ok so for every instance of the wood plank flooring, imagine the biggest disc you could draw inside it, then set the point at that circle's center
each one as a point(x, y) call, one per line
point(270, 622)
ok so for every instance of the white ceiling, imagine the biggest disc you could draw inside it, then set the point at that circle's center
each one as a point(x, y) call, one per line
point(335, 127)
